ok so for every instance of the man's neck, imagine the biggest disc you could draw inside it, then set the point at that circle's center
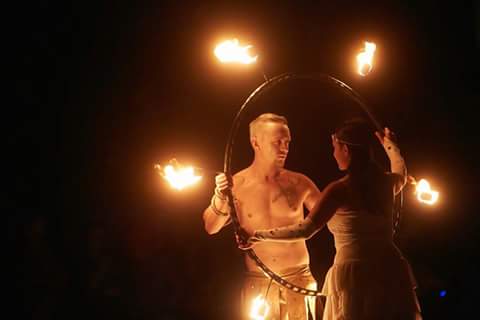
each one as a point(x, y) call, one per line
point(265, 172)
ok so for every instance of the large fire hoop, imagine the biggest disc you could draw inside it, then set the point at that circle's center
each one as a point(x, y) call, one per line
point(264, 87)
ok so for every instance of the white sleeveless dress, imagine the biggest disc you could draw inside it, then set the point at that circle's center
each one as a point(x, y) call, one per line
point(369, 279)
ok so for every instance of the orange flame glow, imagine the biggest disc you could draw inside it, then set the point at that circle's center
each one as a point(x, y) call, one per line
point(230, 51)
point(260, 308)
point(365, 59)
point(424, 193)
point(178, 177)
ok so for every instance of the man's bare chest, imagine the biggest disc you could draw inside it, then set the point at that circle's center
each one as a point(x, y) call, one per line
point(277, 200)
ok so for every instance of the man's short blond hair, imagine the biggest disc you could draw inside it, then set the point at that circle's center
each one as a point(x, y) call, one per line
point(263, 119)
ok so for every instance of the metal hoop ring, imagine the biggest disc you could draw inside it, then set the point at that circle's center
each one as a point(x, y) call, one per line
point(264, 87)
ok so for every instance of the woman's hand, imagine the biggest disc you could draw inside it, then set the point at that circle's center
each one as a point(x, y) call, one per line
point(386, 138)
point(245, 241)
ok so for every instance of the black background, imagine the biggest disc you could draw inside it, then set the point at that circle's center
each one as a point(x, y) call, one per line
point(105, 89)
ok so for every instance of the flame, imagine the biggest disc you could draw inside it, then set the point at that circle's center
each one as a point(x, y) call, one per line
point(179, 177)
point(260, 308)
point(365, 58)
point(230, 51)
point(424, 193)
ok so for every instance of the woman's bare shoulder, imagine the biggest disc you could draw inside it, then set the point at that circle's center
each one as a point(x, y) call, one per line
point(337, 189)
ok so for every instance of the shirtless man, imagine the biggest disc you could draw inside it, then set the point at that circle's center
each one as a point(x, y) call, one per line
point(266, 195)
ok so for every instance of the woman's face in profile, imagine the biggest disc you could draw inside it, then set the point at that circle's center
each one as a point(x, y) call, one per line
point(340, 153)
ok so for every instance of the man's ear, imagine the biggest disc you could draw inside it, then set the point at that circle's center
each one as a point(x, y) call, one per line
point(254, 143)
point(345, 149)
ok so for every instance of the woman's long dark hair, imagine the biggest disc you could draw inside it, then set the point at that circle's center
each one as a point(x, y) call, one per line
point(364, 173)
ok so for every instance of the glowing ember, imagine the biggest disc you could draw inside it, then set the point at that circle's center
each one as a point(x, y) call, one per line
point(260, 308)
point(424, 193)
point(230, 51)
point(178, 176)
point(365, 59)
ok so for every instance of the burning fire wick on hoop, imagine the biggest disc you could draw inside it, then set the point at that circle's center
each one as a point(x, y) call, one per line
point(423, 191)
point(230, 51)
point(365, 59)
point(179, 176)
point(260, 307)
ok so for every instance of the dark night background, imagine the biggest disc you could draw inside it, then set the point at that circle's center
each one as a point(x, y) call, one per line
point(105, 89)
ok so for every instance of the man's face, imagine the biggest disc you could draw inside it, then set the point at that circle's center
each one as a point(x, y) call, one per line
point(340, 153)
point(273, 140)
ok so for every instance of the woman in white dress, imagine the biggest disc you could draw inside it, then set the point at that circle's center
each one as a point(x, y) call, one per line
point(369, 279)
